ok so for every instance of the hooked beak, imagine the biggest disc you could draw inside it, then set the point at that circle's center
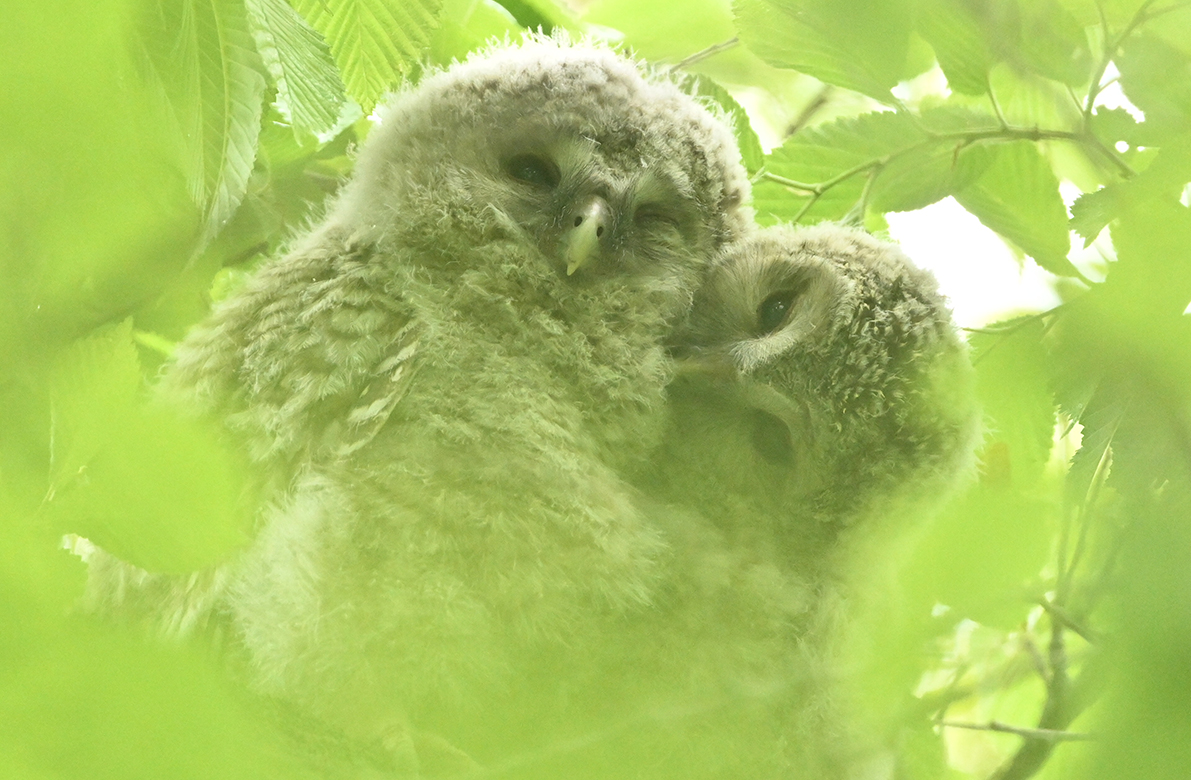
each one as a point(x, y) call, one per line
point(582, 240)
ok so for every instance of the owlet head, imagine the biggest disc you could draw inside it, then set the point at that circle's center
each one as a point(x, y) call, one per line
point(571, 148)
point(841, 358)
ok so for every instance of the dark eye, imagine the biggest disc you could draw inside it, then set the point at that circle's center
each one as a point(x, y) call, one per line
point(772, 312)
point(532, 169)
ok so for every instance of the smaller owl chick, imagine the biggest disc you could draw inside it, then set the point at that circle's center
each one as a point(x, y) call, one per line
point(825, 383)
point(826, 377)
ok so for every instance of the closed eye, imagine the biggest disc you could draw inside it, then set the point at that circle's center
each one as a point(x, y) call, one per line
point(533, 169)
point(656, 216)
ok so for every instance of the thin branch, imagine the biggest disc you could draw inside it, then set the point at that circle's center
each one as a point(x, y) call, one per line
point(855, 215)
point(809, 189)
point(1020, 323)
point(809, 110)
point(1045, 735)
point(996, 107)
point(1056, 715)
point(1064, 617)
point(1110, 48)
point(703, 54)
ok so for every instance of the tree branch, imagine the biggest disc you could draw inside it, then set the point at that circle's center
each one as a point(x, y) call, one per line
point(1044, 735)
point(703, 54)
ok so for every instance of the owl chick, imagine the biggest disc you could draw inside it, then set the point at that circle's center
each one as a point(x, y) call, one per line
point(825, 383)
point(442, 380)
point(826, 376)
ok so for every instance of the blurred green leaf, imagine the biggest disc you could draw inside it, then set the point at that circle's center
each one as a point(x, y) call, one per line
point(467, 25)
point(1116, 124)
point(543, 15)
point(1156, 77)
point(1165, 179)
point(148, 485)
point(929, 174)
point(954, 31)
point(983, 552)
point(374, 42)
point(309, 90)
point(856, 44)
point(1053, 43)
point(1012, 383)
point(80, 701)
point(1029, 100)
point(666, 30)
point(95, 207)
point(1018, 197)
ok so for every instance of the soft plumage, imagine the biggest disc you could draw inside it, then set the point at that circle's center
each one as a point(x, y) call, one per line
point(826, 393)
point(441, 382)
point(825, 390)
point(826, 378)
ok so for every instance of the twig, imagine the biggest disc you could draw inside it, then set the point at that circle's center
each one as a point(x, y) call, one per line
point(809, 110)
point(1064, 617)
point(1044, 735)
point(996, 107)
point(1056, 715)
point(703, 54)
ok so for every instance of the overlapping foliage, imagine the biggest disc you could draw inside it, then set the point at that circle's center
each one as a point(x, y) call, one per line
point(152, 150)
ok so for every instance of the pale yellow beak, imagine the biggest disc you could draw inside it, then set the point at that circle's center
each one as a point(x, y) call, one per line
point(588, 224)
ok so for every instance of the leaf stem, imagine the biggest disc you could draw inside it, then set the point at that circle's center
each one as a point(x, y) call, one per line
point(703, 54)
point(1045, 735)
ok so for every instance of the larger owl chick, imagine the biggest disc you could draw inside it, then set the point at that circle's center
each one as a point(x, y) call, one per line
point(440, 381)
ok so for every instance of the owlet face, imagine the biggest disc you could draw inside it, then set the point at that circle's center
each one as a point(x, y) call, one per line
point(571, 150)
point(830, 365)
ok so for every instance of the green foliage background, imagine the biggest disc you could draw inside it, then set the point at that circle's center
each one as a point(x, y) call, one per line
point(151, 151)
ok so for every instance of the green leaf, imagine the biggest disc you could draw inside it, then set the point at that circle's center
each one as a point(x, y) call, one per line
point(1018, 197)
point(861, 45)
point(375, 42)
point(1116, 124)
point(146, 484)
point(204, 57)
point(1157, 79)
point(542, 15)
point(1013, 385)
point(959, 41)
point(97, 212)
point(1164, 180)
point(466, 26)
point(665, 30)
point(80, 699)
point(746, 138)
point(1092, 211)
point(927, 175)
point(825, 152)
point(309, 90)
point(1053, 43)
point(1005, 535)
point(1100, 420)
point(1029, 100)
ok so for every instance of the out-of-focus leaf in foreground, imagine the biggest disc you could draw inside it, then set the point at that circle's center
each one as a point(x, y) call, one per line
point(152, 487)
point(95, 199)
